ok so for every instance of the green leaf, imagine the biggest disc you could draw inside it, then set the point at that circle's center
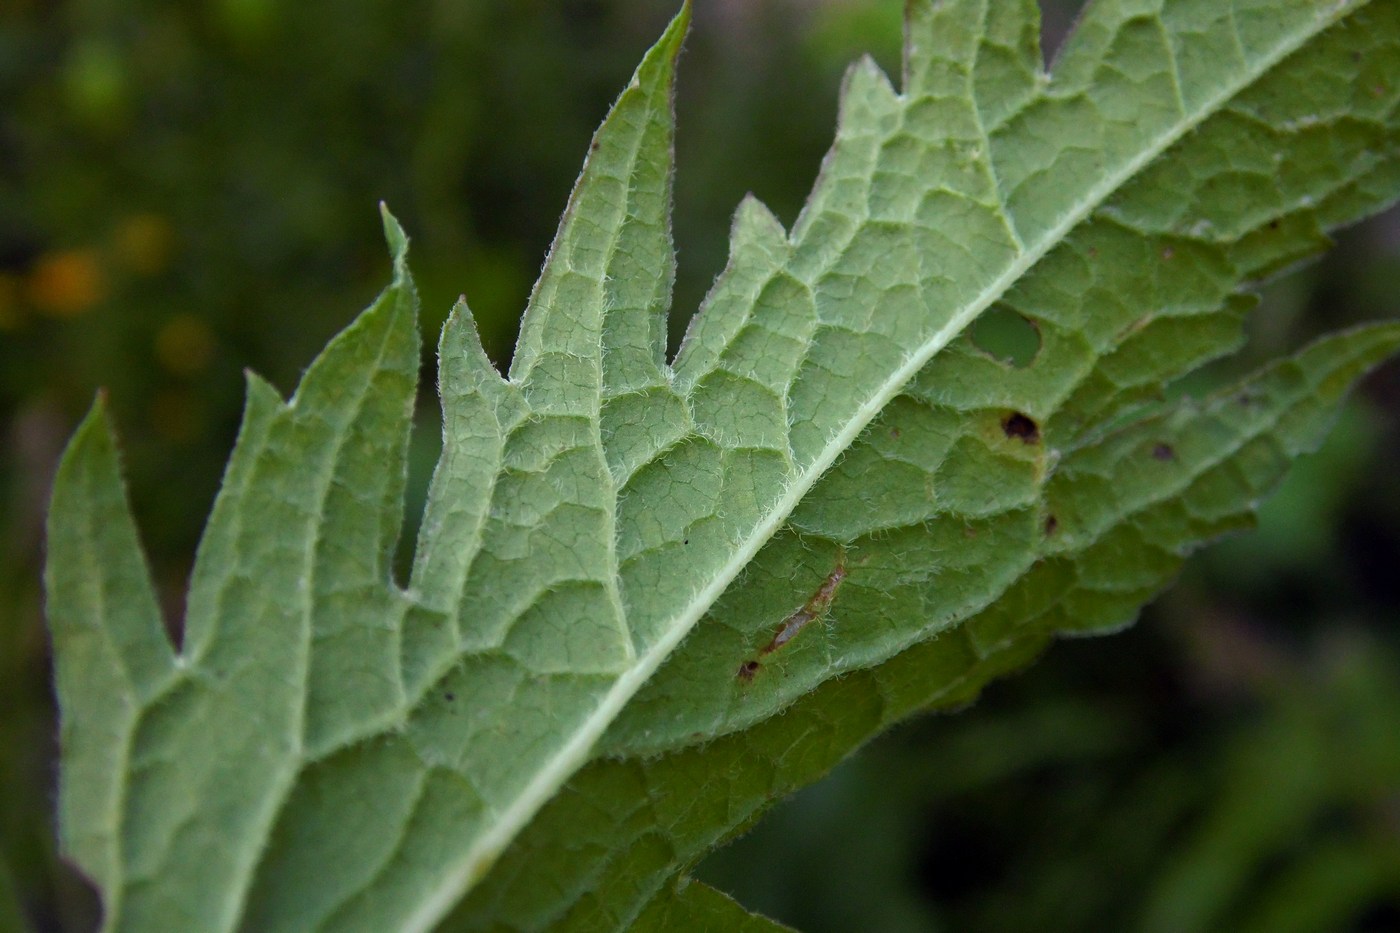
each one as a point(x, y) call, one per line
point(831, 506)
point(609, 843)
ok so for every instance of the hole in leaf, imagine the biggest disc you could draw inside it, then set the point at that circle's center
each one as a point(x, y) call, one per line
point(1021, 425)
point(1006, 335)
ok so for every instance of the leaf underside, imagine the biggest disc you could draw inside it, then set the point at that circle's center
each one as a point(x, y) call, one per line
point(832, 505)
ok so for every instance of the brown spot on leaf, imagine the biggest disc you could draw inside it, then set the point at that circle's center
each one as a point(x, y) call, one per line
point(1163, 452)
point(1168, 253)
point(814, 608)
point(1052, 525)
point(747, 670)
point(1021, 425)
point(894, 433)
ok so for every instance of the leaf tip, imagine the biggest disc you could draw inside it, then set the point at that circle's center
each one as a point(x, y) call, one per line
point(394, 235)
point(864, 80)
point(679, 26)
point(668, 47)
point(93, 433)
point(756, 219)
point(258, 389)
point(460, 351)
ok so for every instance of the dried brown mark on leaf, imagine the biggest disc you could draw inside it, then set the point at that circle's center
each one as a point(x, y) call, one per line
point(814, 608)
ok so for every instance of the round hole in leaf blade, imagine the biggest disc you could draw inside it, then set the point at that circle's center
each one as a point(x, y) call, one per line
point(1006, 335)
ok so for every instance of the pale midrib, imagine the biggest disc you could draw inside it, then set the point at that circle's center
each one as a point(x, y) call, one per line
point(574, 753)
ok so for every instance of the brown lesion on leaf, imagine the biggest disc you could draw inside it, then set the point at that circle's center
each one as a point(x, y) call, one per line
point(1052, 525)
point(1163, 452)
point(1021, 425)
point(815, 607)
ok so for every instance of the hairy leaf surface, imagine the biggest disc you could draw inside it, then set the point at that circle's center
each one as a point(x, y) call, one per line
point(831, 506)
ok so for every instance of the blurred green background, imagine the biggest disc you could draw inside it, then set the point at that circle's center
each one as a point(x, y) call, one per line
point(187, 189)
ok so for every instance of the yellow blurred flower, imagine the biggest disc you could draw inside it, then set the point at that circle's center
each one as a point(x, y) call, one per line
point(67, 282)
point(143, 243)
point(184, 345)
